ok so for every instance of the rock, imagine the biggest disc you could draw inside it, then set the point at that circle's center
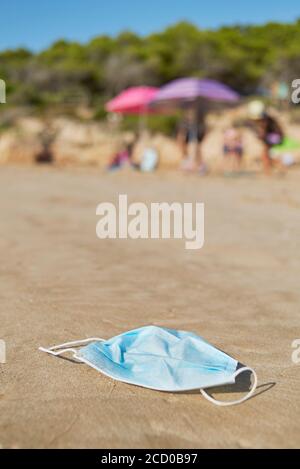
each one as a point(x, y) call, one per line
point(75, 142)
point(17, 147)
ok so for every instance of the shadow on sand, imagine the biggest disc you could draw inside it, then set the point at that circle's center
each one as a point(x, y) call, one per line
point(243, 384)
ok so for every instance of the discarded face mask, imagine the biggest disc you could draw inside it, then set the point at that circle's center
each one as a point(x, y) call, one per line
point(159, 359)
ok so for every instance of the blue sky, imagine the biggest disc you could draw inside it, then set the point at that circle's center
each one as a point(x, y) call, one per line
point(35, 24)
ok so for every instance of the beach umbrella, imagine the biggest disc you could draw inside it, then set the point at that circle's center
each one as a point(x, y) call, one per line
point(190, 89)
point(196, 93)
point(134, 100)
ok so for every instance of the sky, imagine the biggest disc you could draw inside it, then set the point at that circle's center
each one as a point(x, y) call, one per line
point(35, 24)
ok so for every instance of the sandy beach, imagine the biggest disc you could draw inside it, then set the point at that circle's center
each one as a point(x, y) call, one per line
point(58, 282)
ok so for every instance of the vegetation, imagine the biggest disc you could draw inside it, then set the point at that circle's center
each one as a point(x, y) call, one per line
point(248, 58)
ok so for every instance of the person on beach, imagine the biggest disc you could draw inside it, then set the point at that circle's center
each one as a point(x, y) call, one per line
point(190, 136)
point(268, 131)
point(149, 156)
point(123, 157)
point(232, 150)
point(47, 138)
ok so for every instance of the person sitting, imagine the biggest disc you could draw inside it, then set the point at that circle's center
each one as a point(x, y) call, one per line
point(123, 157)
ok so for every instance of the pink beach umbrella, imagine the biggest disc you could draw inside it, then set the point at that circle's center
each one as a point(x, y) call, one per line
point(133, 100)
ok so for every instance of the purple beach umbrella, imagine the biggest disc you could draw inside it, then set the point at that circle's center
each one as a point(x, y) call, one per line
point(189, 89)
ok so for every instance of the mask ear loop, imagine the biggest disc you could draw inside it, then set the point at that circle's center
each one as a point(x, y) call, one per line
point(57, 350)
point(239, 401)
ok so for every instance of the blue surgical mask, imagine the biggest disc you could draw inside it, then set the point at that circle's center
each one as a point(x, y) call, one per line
point(159, 359)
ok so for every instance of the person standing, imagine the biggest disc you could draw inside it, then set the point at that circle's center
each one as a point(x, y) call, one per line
point(268, 131)
point(232, 150)
point(190, 135)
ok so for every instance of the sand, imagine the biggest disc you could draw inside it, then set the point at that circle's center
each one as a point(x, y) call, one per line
point(59, 282)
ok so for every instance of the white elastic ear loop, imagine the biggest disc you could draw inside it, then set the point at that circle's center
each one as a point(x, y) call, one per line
point(239, 401)
point(67, 347)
